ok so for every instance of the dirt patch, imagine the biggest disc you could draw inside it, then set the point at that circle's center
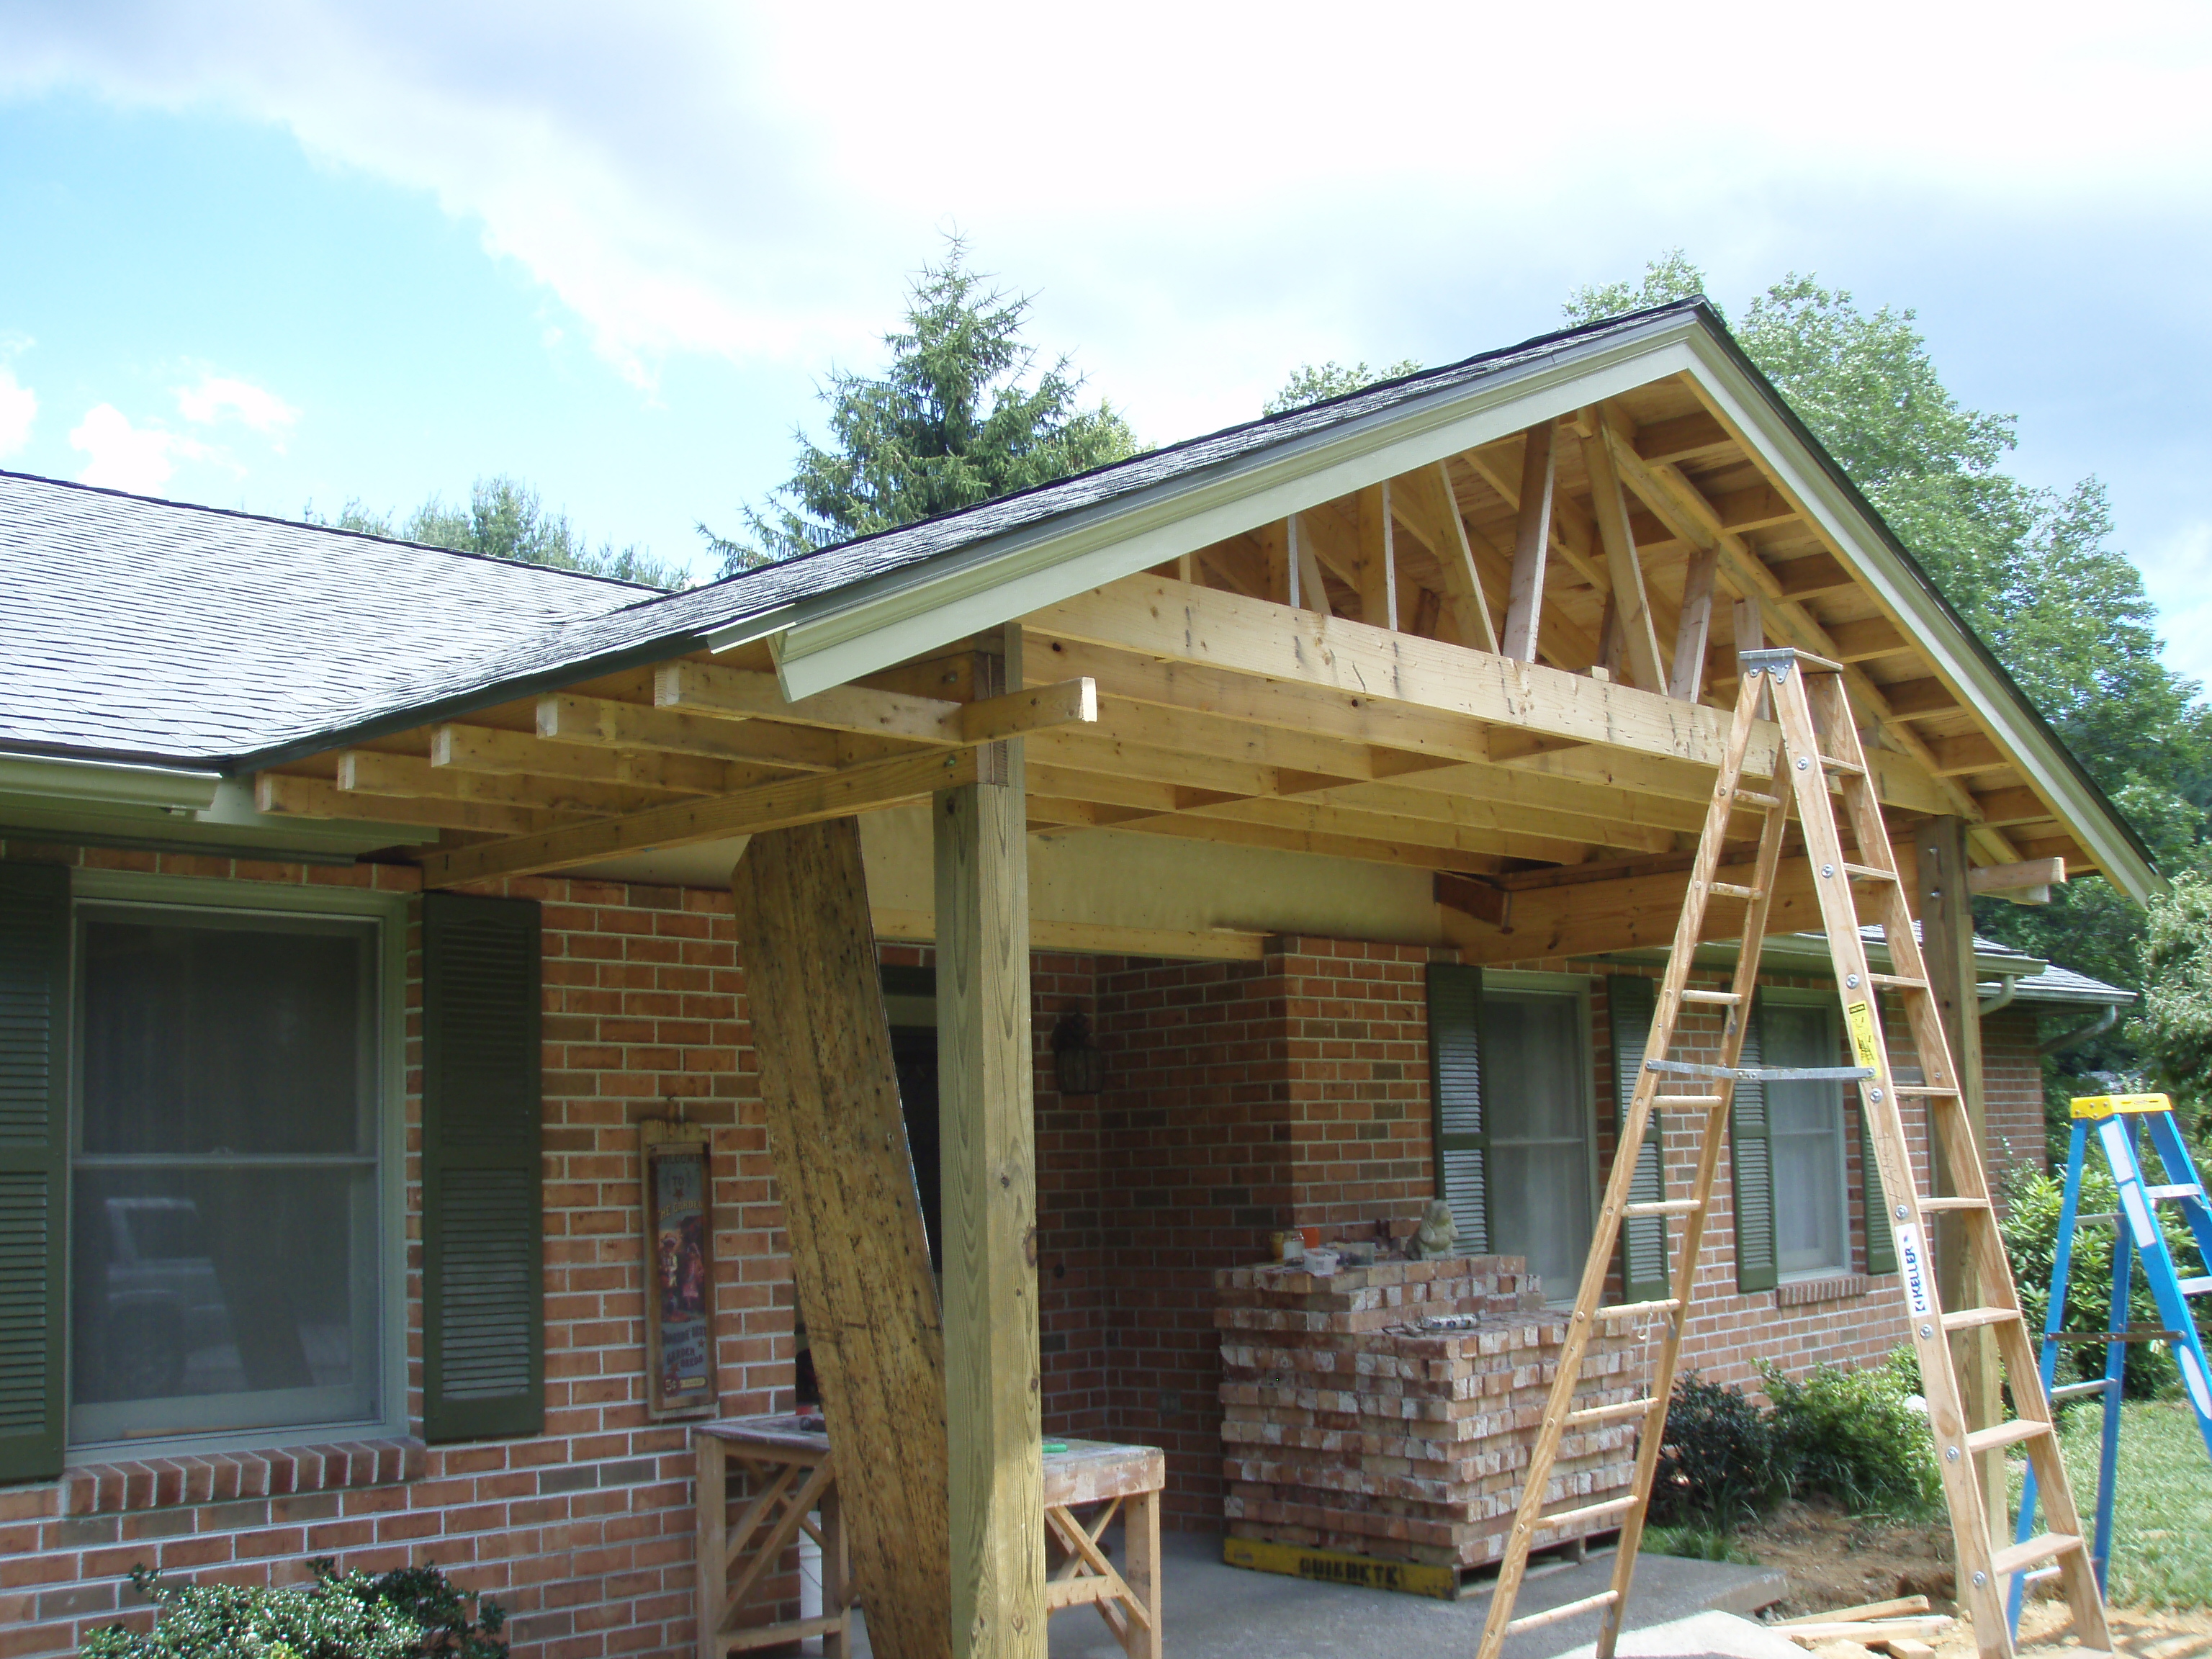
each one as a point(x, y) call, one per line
point(1839, 1560)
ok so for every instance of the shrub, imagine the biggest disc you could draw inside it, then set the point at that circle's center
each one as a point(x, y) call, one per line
point(412, 1612)
point(1859, 1436)
point(1697, 1544)
point(1717, 1465)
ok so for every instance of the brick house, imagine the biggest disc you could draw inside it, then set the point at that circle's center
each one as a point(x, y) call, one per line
point(359, 901)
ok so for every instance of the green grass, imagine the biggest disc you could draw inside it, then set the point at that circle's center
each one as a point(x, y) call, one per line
point(1698, 1543)
point(2163, 1517)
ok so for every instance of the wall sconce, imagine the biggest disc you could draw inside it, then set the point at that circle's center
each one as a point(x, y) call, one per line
point(1077, 1065)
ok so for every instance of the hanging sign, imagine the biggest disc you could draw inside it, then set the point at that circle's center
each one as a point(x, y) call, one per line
point(679, 1270)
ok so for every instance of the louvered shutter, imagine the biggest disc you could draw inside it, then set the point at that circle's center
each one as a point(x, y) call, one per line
point(1644, 1240)
point(34, 983)
point(1462, 1133)
point(1751, 1154)
point(483, 1326)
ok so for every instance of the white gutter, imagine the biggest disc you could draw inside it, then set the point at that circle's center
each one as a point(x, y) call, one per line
point(170, 788)
point(2097, 1027)
point(2008, 988)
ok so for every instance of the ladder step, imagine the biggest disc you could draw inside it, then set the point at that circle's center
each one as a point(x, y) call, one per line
point(1569, 1610)
point(1752, 798)
point(1896, 982)
point(1669, 1206)
point(1951, 1203)
point(2196, 1286)
point(1613, 1413)
point(1868, 872)
point(2016, 1556)
point(1933, 1091)
point(1968, 1319)
point(2007, 1434)
point(1640, 1309)
point(1728, 997)
point(2182, 1191)
point(1732, 890)
point(2075, 1390)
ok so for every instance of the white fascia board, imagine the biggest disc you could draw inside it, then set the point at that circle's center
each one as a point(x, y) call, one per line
point(1027, 570)
point(171, 788)
point(1960, 668)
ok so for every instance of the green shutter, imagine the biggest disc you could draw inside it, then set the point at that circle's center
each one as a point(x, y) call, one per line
point(1462, 1134)
point(1643, 1241)
point(1751, 1157)
point(35, 984)
point(1880, 1244)
point(483, 1297)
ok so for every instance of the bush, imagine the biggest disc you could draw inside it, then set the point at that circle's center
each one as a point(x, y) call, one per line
point(1697, 1544)
point(1717, 1464)
point(2032, 1201)
point(413, 1613)
point(1859, 1436)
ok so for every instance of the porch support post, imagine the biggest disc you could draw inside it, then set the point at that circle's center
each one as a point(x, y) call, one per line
point(1947, 942)
point(985, 1089)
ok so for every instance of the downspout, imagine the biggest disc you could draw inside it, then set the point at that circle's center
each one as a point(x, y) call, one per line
point(2007, 987)
point(2097, 1027)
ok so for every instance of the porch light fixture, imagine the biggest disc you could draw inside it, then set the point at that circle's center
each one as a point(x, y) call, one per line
point(1077, 1065)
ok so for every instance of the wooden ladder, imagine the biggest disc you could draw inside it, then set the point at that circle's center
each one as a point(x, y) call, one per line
point(1818, 755)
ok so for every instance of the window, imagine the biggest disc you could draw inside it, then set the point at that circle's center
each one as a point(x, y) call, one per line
point(228, 1233)
point(1537, 1079)
point(1805, 1120)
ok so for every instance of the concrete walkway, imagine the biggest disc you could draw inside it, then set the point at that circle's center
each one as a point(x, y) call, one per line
point(1214, 1611)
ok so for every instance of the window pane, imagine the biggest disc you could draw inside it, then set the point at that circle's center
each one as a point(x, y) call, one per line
point(1799, 1036)
point(1806, 1120)
point(1539, 1124)
point(229, 1038)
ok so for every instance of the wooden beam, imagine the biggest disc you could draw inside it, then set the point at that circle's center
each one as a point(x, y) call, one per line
point(608, 723)
point(1866, 640)
point(371, 772)
point(845, 1185)
point(1686, 679)
point(280, 794)
point(1925, 695)
point(1405, 856)
point(1308, 591)
point(1377, 568)
point(1439, 828)
point(994, 1394)
point(1957, 756)
point(1758, 507)
point(1425, 500)
point(489, 749)
point(1097, 939)
point(712, 689)
point(1531, 539)
point(1609, 507)
point(1471, 897)
point(1635, 912)
point(2028, 882)
point(1065, 703)
point(1686, 437)
point(2014, 805)
point(778, 805)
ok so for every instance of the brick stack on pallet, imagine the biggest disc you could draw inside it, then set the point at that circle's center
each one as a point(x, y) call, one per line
point(1348, 1428)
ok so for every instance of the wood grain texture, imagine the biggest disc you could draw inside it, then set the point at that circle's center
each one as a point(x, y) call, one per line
point(858, 1249)
point(992, 1370)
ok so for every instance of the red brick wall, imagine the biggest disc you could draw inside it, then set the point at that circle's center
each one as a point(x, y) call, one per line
point(585, 1532)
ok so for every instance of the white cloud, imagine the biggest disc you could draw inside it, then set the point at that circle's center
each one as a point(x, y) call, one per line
point(2178, 573)
point(220, 395)
point(127, 457)
point(19, 407)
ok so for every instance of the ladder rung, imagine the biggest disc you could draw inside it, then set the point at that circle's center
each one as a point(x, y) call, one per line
point(2075, 1390)
point(1952, 1203)
point(1588, 1512)
point(1752, 798)
point(1732, 890)
point(1868, 872)
point(1662, 1206)
point(1968, 1319)
point(1613, 1413)
point(1836, 764)
point(1685, 1100)
point(1568, 1610)
point(2013, 1557)
point(2183, 1191)
point(1934, 1090)
point(1640, 1309)
point(2100, 1219)
point(2006, 1434)
point(1730, 997)
point(1896, 982)
point(2040, 1574)
point(2196, 1286)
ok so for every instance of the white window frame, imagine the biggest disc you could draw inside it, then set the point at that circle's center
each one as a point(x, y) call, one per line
point(1517, 980)
point(1825, 1001)
point(388, 912)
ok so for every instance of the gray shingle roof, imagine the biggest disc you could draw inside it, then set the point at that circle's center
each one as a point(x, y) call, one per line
point(150, 630)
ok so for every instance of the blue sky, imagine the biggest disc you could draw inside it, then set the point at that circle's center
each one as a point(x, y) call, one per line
point(256, 255)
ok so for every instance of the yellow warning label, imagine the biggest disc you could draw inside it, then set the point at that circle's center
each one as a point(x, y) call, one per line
point(1335, 1567)
point(2106, 1105)
point(1866, 1045)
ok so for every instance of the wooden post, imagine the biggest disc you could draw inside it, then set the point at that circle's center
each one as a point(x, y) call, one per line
point(1532, 541)
point(712, 1544)
point(1947, 942)
point(985, 1084)
point(858, 1253)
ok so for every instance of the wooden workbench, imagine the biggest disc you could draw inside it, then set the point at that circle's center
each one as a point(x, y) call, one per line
point(792, 1475)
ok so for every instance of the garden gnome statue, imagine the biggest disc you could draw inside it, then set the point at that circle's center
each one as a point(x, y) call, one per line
point(1439, 1236)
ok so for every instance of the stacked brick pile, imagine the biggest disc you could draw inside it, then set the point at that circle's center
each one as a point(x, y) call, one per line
point(1347, 1428)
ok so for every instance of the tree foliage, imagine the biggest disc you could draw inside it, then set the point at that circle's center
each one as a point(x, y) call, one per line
point(506, 518)
point(960, 415)
point(2032, 570)
point(1311, 383)
point(2175, 1027)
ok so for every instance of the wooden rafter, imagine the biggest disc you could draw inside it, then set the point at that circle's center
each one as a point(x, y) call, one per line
point(367, 772)
point(281, 794)
point(1609, 507)
point(1424, 501)
point(1531, 539)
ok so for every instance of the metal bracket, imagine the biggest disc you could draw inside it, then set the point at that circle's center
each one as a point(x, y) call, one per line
point(1774, 660)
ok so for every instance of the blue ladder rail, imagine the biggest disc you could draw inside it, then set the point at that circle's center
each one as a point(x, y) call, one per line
point(2139, 1233)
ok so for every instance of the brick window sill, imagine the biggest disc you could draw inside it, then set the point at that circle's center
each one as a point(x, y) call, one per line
point(159, 1483)
point(1837, 1288)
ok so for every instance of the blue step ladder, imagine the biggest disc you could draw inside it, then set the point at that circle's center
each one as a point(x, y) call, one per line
point(2115, 1118)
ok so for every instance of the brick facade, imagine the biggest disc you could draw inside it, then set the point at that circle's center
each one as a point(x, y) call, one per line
point(1240, 1098)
